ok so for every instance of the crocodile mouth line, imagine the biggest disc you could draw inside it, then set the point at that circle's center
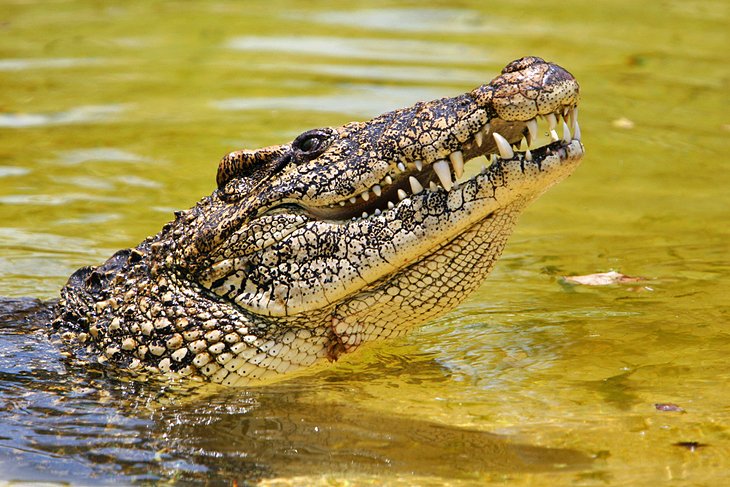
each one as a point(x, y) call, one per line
point(408, 178)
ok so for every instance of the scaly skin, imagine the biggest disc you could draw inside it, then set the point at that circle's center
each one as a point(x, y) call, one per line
point(310, 249)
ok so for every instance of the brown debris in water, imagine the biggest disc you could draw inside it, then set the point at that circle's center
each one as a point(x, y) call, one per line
point(690, 445)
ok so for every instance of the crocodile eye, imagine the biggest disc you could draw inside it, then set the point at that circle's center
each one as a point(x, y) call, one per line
point(312, 143)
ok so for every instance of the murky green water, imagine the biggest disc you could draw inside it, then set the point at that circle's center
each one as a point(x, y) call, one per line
point(113, 114)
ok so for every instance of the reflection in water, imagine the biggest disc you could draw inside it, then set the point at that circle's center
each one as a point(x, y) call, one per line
point(65, 422)
point(287, 436)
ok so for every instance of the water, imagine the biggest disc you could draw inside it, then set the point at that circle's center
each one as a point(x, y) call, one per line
point(112, 115)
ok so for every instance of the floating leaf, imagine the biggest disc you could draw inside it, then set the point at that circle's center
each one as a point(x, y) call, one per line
point(603, 279)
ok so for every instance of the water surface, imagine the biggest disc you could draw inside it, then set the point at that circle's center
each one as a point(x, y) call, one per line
point(112, 115)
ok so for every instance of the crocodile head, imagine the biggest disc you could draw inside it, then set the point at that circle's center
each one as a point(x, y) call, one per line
point(344, 236)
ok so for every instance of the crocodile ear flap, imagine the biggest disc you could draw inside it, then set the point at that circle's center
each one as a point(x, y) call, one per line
point(249, 164)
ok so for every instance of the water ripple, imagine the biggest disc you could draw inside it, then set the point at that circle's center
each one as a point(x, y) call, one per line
point(362, 48)
point(414, 20)
point(364, 101)
point(43, 63)
point(82, 114)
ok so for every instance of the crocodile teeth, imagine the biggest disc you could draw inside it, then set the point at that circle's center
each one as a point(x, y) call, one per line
point(576, 131)
point(377, 212)
point(532, 131)
point(552, 121)
point(365, 195)
point(391, 205)
point(432, 186)
point(388, 180)
point(566, 133)
point(342, 203)
point(377, 190)
point(401, 167)
point(554, 135)
point(402, 195)
point(479, 138)
point(505, 150)
point(441, 168)
point(364, 214)
point(419, 164)
point(528, 155)
point(415, 185)
point(573, 117)
point(457, 161)
point(353, 200)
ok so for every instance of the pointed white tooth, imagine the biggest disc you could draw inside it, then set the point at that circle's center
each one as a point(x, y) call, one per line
point(441, 168)
point(388, 180)
point(377, 190)
point(457, 161)
point(390, 205)
point(479, 138)
point(377, 212)
point(505, 150)
point(419, 164)
point(415, 185)
point(365, 195)
point(528, 155)
point(532, 130)
point(353, 200)
point(576, 131)
point(402, 195)
point(342, 203)
point(364, 214)
point(571, 117)
point(524, 144)
point(401, 167)
point(566, 133)
point(554, 135)
point(552, 121)
point(432, 186)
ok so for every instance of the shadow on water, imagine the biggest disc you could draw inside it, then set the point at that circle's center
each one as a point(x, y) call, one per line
point(61, 422)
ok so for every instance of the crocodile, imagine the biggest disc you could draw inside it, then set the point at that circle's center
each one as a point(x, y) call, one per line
point(345, 236)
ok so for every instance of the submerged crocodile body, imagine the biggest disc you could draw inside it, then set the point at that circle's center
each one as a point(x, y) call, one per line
point(345, 236)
